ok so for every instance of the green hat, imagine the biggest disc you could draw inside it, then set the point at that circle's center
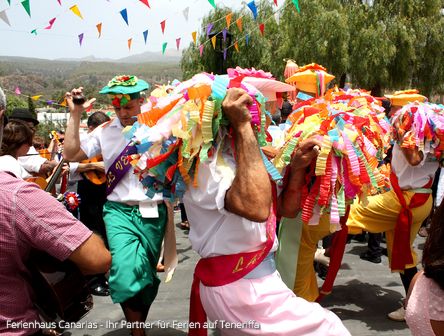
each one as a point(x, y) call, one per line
point(123, 88)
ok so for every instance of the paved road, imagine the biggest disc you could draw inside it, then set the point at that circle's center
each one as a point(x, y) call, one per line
point(363, 295)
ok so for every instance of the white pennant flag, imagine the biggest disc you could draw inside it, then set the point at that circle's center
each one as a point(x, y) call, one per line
point(186, 12)
point(4, 17)
point(277, 17)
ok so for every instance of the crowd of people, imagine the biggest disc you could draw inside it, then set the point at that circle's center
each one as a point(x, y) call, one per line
point(119, 233)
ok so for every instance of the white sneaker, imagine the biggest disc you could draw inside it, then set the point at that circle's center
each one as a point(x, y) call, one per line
point(321, 258)
point(397, 315)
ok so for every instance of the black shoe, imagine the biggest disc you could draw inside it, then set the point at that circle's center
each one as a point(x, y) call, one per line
point(366, 256)
point(100, 288)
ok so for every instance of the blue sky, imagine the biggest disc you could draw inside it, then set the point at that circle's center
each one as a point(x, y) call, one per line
point(62, 40)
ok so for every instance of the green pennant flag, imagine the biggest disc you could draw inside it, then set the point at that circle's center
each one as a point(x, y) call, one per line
point(9, 2)
point(164, 46)
point(296, 4)
point(34, 31)
point(212, 3)
point(27, 7)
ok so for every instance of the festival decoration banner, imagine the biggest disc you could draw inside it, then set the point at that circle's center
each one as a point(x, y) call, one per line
point(194, 36)
point(27, 7)
point(60, 2)
point(228, 19)
point(296, 4)
point(236, 46)
point(212, 3)
point(262, 28)
point(4, 17)
point(130, 41)
point(213, 41)
point(239, 24)
point(76, 11)
point(164, 45)
point(224, 34)
point(17, 91)
point(34, 31)
point(99, 29)
point(145, 35)
point(145, 2)
point(253, 8)
point(201, 47)
point(209, 28)
point(51, 22)
point(178, 43)
point(124, 14)
point(80, 39)
point(276, 2)
point(162, 26)
point(36, 97)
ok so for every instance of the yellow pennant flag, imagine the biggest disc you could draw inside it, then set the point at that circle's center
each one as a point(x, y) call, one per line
point(236, 46)
point(213, 41)
point(76, 11)
point(36, 97)
point(194, 35)
point(99, 28)
point(63, 103)
point(239, 23)
point(228, 19)
point(129, 43)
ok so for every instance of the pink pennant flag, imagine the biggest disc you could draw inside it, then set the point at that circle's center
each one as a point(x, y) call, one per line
point(60, 2)
point(51, 22)
point(162, 25)
point(146, 3)
point(178, 43)
point(80, 39)
point(17, 91)
point(276, 2)
point(201, 50)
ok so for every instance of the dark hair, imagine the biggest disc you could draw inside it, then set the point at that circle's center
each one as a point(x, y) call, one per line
point(433, 254)
point(387, 105)
point(15, 134)
point(96, 119)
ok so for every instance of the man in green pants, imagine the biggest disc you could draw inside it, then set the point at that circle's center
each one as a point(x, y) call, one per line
point(135, 224)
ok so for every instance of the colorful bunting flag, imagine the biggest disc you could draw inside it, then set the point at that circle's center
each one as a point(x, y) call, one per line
point(276, 2)
point(239, 24)
point(76, 11)
point(212, 3)
point(63, 103)
point(4, 17)
point(253, 8)
point(49, 102)
point(145, 35)
point(247, 39)
point(146, 3)
point(164, 46)
point(236, 46)
point(80, 39)
point(296, 4)
point(34, 31)
point(124, 14)
point(178, 43)
point(185, 12)
point(51, 22)
point(225, 54)
point(27, 7)
point(17, 91)
point(36, 97)
point(213, 41)
point(262, 28)
point(194, 35)
point(209, 28)
point(228, 19)
point(60, 2)
point(201, 47)
point(99, 28)
point(224, 34)
point(162, 25)
point(9, 2)
point(129, 43)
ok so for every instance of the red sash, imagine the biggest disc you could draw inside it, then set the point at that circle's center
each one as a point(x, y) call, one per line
point(223, 270)
point(401, 253)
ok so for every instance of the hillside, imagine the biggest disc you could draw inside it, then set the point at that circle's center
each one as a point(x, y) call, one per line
point(53, 78)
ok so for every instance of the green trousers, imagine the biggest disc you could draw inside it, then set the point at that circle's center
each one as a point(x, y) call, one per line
point(135, 243)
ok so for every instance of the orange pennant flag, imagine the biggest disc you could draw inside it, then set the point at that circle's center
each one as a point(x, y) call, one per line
point(76, 11)
point(213, 41)
point(228, 19)
point(63, 103)
point(194, 35)
point(236, 46)
point(239, 24)
point(99, 28)
point(129, 43)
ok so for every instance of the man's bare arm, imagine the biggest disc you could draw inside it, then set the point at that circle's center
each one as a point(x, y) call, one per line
point(92, 257)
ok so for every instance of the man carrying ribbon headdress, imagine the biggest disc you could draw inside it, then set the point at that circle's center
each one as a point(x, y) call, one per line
point(400, 212)
point(135, 223)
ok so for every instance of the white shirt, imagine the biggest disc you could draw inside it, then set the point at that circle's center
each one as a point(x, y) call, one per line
point(108, 140)
point(412, 177)
point(10, 164)
point(213, 230)
point(31, 163)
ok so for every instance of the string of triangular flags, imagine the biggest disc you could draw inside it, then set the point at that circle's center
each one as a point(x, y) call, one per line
point(36, 98)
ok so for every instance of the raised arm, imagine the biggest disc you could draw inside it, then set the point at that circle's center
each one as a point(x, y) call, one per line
point(72, 151)
point(289, 201)
point(250, 194)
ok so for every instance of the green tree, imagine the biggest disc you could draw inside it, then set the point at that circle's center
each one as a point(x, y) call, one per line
point(31, 107)
point(13, 101)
